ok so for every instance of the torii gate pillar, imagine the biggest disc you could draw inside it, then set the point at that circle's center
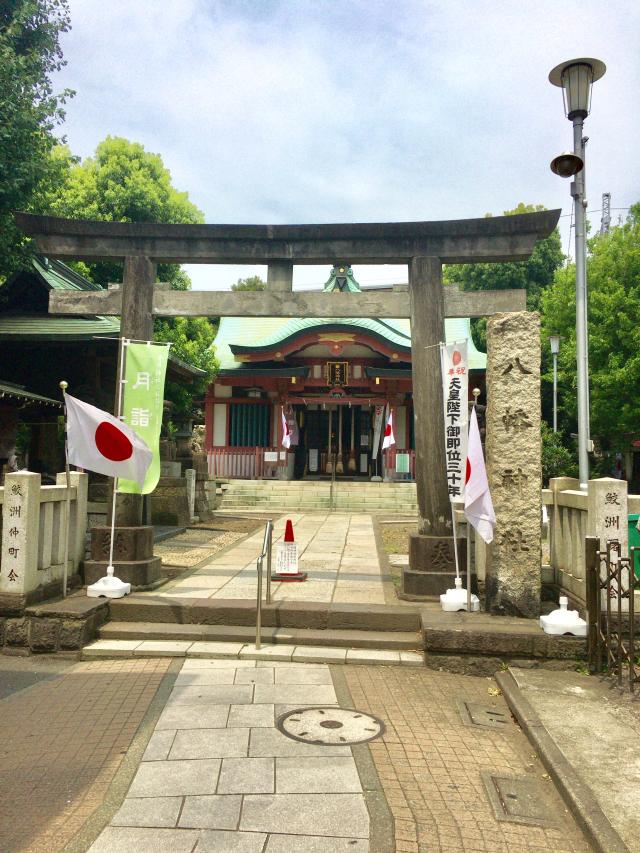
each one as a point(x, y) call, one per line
point(431, 550)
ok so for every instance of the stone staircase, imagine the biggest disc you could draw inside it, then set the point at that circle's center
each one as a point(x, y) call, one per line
point(212, 625)
point(319, 495)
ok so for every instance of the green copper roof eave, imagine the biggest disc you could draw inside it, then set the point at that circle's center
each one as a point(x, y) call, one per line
point(58, 276)
point(372, 327)
point(9, 390)
point(16, 327)
point(294, 326)
point(237, 330)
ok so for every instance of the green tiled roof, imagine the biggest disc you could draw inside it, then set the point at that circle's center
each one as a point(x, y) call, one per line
point(59, 276)
point(7, 389)
point(268, 331)
point(47, 327)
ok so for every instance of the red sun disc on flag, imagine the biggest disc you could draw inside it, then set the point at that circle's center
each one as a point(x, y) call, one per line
point(112, 443)
point(468, 472)
point(456, 358)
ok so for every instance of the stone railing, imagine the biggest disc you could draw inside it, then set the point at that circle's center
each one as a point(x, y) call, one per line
point(573, 514)
point(33, 530)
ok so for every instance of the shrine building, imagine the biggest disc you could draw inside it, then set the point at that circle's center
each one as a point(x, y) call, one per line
point(336, 380)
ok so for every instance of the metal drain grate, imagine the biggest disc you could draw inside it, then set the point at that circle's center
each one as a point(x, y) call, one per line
point(485, 716)
point(519, 800)
point(330, 726)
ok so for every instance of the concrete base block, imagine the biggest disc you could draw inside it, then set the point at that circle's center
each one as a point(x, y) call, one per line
point(129, 544)
point(135, 572)
point(431, 584)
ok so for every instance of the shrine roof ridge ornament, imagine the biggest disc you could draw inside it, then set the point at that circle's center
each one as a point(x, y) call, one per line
point(496, 238)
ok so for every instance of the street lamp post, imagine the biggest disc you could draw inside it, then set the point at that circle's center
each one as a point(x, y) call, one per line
point(576, 78)
point(554, 342)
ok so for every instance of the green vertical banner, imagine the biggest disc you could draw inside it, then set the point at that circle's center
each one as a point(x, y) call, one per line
point(142, 402)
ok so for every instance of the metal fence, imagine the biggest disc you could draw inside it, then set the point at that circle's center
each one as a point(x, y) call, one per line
point(611, 635)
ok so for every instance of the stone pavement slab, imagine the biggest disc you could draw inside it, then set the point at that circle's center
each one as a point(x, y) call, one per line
point(336, 815)
point(211, 812)
point(318, 775)
point(317, 844)
point(176, 778)
point(116, 839)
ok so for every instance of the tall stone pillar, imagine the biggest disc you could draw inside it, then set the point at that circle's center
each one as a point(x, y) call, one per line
point(431, 551)
point(514, 464)
point(136, 323)
point(133, 542)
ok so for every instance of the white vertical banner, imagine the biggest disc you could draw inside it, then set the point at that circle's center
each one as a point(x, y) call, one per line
point(377, 429)
point(455, 392)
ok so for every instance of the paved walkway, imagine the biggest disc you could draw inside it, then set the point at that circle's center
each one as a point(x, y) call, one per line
point(160, 756)
point(218, 774)
point(338, 551)
point(62, 740)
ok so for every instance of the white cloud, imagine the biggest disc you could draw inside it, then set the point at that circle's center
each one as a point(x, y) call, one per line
point(352, 111)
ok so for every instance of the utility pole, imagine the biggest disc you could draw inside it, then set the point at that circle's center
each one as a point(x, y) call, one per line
point(605, 221)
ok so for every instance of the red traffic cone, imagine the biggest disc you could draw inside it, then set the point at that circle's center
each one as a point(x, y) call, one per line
point(288, 531)
point(289, 540)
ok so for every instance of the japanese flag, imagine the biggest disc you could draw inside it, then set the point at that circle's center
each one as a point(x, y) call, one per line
point(389, 437)
point(286, 432)
point(101, 443)
point(478, 506)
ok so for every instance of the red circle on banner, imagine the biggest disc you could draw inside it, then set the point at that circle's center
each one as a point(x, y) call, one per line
point(456, 358)
point(468, 472)
point(112, 443)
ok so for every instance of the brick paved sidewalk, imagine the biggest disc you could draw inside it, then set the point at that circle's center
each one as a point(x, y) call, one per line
point(61, 743)
point(430, 764)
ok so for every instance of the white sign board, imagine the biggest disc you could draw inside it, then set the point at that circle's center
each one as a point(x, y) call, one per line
point(287, 558)
point(313, 460)
point(455, 391)
point(271, 456)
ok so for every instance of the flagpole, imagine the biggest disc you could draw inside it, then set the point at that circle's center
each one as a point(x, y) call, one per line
point(63, 386)
point(121, 382)
point(476, 394)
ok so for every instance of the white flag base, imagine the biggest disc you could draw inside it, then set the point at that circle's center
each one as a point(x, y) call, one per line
point(564, 621)
point(109, 587)
point(456, 599)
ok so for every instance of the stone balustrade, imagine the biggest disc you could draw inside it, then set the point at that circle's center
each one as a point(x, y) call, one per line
point(33, 525)
point(573, 514)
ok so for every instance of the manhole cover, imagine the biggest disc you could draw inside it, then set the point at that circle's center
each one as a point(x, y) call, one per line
point(519, 800)
point(330, 726)
point(480, 715)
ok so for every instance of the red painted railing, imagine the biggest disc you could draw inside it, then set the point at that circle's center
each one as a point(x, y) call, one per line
point(245, 463)
point(391, 463)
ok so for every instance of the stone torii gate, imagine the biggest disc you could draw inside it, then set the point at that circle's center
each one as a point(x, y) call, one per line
point(423, 246)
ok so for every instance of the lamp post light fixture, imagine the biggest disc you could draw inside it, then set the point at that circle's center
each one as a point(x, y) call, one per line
point(576, 78)
point(554, 342)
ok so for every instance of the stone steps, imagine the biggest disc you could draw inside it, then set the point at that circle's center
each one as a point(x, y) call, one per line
point(394, 640)
point(285, 495)
point(109, 648)
point(317, 616)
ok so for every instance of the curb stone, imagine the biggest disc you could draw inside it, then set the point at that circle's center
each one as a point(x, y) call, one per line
point(577, 795)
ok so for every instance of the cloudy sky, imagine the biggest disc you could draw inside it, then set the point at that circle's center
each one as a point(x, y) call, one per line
point(356, 110)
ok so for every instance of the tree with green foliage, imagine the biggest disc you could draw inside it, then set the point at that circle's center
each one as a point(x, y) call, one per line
point(557, 460)
point(613, 276)
point(534, 275)
point(254, 282)
point(192, 339)
point(30, 110)
point(123, 182)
